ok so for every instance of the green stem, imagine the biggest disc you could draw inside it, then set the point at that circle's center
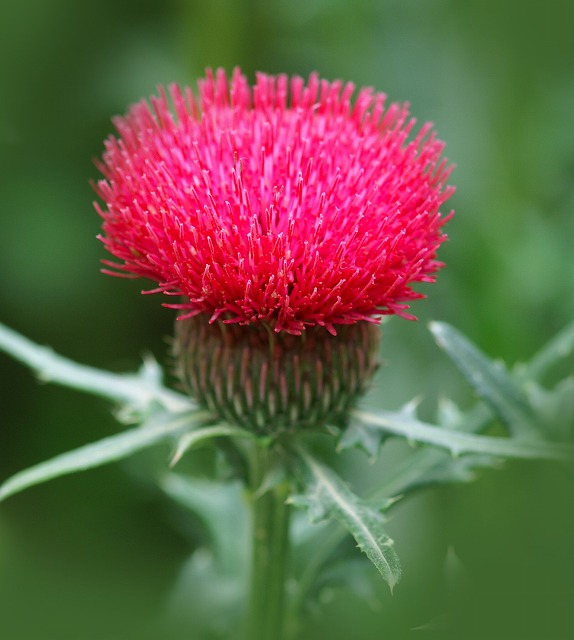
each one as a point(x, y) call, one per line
point(270, 550)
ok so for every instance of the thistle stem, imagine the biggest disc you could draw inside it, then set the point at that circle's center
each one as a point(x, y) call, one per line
point(270, 550)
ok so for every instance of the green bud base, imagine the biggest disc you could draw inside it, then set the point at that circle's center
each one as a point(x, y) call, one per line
point(258, 379)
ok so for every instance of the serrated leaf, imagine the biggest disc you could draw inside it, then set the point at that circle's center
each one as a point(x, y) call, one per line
point(327, 496)
point(382, 504)
point(558, 348)
point(157, 429)
point(457, 442)
point(455, 470)
point(137, 391)
point(358, 434)
point(316, 509)
point(555, 407)
point(431, 466)
point(193, 438)
point(449, 414)
point(491, 382)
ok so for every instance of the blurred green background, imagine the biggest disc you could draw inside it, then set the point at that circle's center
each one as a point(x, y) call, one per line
point(92, 557)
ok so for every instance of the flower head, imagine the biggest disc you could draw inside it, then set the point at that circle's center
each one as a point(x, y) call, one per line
point(289, 203)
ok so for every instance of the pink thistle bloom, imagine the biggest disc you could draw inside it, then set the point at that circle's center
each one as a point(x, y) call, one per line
point(287, 203)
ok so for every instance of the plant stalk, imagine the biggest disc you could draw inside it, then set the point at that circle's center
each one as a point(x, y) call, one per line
point(270, 550)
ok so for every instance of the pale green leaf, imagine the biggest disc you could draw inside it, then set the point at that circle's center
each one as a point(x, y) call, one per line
point(327, 496)
point(457, 442)
point(137, 391)
point(555, 407)
point(361, 435)
point(490, 381)
point(158, 428)
point(193, 438)
point(427, 466)
point(558, 348)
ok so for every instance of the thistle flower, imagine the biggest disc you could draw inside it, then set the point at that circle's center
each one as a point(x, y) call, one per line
point(286, 209)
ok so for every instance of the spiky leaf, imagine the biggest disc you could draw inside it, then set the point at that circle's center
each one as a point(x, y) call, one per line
point(558, 348)
point(327, 496)
point(490, 381)
point(400, 424)
point(157, 429)
point(137, 392)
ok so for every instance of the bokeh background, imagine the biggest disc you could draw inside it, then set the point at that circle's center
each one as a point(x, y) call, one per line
point(93, 557)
